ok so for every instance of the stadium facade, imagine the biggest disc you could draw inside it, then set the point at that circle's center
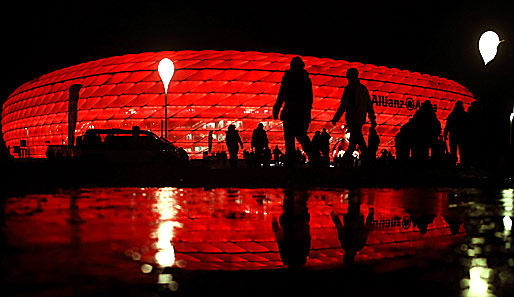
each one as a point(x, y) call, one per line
point(209, 91)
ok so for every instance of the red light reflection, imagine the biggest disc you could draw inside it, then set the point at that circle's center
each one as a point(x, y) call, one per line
point(218, 229)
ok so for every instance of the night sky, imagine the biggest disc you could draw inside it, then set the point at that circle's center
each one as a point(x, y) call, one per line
point(429, 37)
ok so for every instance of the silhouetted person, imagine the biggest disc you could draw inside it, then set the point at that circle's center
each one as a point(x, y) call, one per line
point(356, 102)
point(353, 231)
point(316, 141)
point(277, 154)
point(295, 95)
point(422, 213)
point(325, 146)
point(455, 131)
point(373, 143)
point(422, 207)
point(455, 216)
point(292, 230)
point(259, 142)
point(404, 141)
point(233, 140)
point(427, 129)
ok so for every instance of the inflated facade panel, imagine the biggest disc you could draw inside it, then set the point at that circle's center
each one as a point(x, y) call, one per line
point(209, 91)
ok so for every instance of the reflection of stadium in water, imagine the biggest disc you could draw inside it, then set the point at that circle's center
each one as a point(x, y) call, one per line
point(137, 236)
point(226, 229)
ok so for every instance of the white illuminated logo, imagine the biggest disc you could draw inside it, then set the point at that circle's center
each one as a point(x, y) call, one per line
point(166, 70)
point(488, 46)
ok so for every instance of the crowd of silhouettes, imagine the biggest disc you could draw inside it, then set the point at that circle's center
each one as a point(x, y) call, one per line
point(292, 228)
point(321, 144)
point(421, 139)
point(420, 135)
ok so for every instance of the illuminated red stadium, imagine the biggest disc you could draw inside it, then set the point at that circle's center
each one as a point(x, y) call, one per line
point(209, 90)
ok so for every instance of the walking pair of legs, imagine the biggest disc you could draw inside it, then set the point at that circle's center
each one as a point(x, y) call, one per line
point(356, 138)
point(298, 131)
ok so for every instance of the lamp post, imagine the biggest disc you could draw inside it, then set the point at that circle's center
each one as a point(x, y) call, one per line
point(488, 47)
point(166, 70)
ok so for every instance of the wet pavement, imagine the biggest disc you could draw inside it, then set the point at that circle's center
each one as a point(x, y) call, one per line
point(231, 241)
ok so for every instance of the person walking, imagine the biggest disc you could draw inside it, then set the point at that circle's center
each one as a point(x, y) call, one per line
point(325, 145)
point(295, 95)
point(233, 140)
point(259, 143)
point(455, 131)
point(356, 103)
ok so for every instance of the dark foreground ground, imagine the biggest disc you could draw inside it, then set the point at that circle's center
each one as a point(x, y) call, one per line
point(420, 273)
point(40, 175)
point(413, 279)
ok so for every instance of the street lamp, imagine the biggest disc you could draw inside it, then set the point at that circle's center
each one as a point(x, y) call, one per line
point(488, 45)
point(166, 70)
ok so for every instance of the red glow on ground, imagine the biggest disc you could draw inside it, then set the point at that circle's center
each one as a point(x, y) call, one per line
point(219, 229)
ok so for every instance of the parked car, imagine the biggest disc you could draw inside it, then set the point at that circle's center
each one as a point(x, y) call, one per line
point(119, 145)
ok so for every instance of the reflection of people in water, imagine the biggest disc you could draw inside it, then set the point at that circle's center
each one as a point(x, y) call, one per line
point(422, 221)
point(455, 216)
point(421, 207)
point(421, 218)
point(353, 231)
point(454, 223)
point(292, 229)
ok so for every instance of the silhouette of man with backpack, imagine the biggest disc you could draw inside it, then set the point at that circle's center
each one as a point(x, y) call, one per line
point(356, 102)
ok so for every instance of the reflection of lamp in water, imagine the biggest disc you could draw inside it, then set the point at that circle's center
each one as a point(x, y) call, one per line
point(166, 207)
point(488, 45)
point(507, 223)
point(166, 70)
point(508, 204)
point(166, 255)
point(479, 277)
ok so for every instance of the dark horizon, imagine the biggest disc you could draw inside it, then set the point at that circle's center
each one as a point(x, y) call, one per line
point(440, 39)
